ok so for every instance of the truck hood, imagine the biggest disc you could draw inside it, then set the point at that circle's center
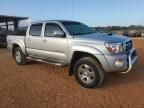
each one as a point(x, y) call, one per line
point(101, 37)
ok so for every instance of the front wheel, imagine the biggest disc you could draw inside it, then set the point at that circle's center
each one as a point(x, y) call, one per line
point(19, 56)
point(88, 72)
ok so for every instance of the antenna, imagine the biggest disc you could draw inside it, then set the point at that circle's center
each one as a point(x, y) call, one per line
point(73, 11)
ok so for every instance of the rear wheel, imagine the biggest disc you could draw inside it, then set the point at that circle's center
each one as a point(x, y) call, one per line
point(88, 72)
point(19, 56)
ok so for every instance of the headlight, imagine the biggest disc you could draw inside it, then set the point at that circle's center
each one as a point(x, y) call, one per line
point(114, 47)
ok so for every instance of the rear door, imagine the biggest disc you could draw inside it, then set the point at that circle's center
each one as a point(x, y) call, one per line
point(33, 40)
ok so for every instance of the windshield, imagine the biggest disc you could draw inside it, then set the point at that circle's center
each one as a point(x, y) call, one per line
point(76, 28)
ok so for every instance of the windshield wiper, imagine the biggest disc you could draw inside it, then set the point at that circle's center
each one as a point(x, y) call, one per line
point(83, 33)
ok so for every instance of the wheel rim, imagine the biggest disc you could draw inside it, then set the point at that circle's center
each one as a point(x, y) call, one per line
point(18, 56)
point(86, 73)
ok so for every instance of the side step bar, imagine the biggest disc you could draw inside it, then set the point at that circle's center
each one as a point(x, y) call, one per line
point(47, 61)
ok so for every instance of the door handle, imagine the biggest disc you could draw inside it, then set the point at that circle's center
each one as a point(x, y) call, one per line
point(28, 39)
point(44, 40)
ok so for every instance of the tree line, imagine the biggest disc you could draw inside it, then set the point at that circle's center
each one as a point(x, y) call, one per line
point(118, 28)
point(130, 31)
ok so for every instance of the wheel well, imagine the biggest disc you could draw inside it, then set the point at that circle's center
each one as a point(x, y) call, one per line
point(13, 48)
point(76, 56)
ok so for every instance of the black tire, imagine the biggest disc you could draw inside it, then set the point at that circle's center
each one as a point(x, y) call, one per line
point(98, 72)
point(22, 59)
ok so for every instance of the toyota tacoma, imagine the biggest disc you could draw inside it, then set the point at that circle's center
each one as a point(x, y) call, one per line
point(89, 55)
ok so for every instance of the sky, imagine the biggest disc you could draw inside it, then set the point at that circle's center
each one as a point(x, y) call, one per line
point(90, 12)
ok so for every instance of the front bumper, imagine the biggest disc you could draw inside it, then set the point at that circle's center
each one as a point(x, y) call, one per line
point(132, 58)
point(122, 63)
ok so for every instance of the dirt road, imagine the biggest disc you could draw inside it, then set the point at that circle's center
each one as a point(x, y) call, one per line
point(38, 85)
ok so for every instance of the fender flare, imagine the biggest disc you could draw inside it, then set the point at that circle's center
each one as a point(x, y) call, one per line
point(86, 49)
point(21, 44)
point(82, 48)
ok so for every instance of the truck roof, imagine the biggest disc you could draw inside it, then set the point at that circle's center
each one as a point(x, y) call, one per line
point(53, 21)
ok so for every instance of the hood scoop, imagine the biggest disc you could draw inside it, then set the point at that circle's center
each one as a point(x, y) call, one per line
point(110, 34)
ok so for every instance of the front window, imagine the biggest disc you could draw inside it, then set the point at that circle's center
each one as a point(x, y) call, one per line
point(51, 28)
point(77, 28)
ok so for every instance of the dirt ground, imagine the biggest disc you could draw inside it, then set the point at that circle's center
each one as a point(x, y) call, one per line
point(38, 85)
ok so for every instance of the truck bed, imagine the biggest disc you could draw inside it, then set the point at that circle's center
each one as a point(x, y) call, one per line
point(13, 38)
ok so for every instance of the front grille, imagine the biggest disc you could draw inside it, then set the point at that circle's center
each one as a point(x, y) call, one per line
point(128, 46)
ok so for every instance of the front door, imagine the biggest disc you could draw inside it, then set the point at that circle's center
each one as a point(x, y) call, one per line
point(55, 47)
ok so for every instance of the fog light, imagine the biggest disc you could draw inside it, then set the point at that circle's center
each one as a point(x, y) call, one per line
point(119, 63)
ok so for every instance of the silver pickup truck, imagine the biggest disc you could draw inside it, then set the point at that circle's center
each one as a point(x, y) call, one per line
point(89, 55)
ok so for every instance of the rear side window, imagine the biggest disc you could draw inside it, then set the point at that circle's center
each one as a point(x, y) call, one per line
point(50, 28)
point(35, 29)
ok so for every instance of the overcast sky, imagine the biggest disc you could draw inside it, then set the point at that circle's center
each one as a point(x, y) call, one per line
point(91, 12)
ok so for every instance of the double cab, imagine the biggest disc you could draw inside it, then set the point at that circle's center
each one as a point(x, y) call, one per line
point(89, 55)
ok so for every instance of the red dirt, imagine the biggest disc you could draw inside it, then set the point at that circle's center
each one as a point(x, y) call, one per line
point(38, 85)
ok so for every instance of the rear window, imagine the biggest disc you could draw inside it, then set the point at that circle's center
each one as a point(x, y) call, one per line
point(35, 29)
